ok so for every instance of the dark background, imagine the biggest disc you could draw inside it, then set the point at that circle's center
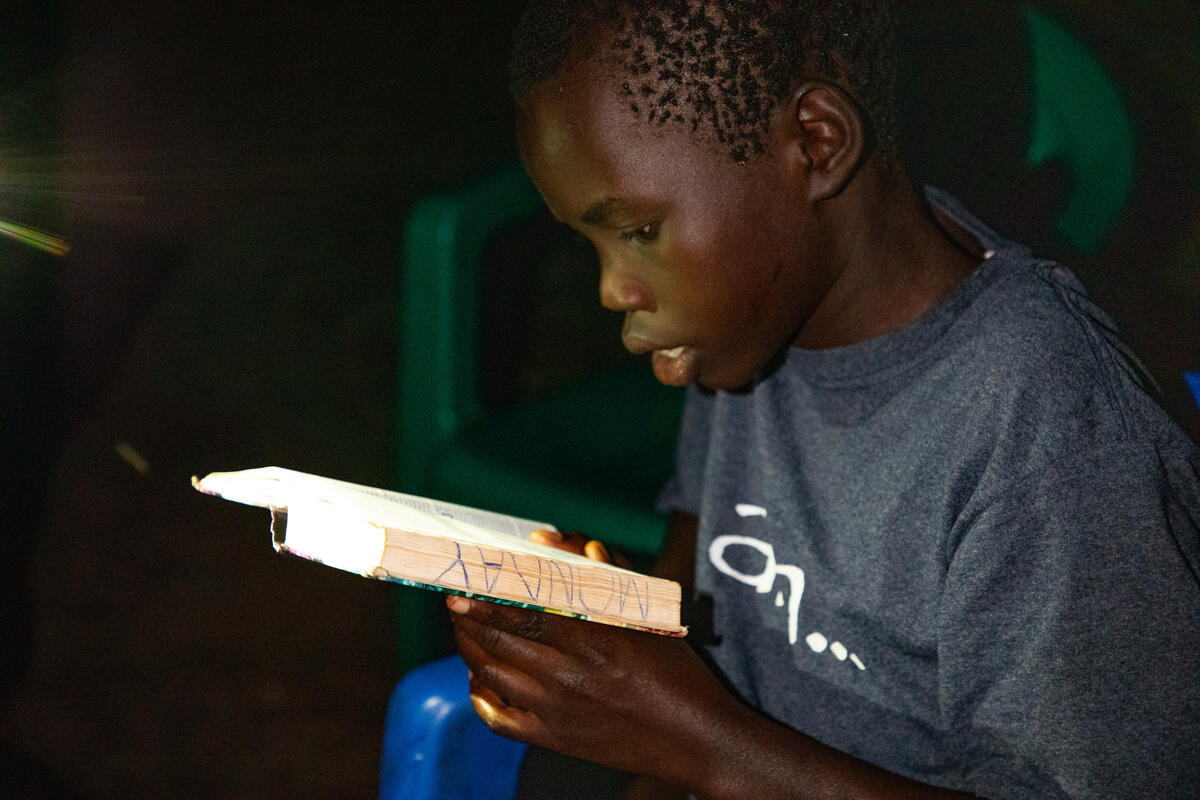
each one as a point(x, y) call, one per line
point(232, 180)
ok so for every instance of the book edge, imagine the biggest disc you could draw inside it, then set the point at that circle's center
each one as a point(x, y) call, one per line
point(665, 586)
point(279, 517)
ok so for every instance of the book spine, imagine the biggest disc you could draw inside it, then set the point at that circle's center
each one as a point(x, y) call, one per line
point(595, 592)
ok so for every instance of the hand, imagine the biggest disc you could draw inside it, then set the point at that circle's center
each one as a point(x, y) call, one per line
point(574, 542)
point(645, 704)
point(628, 699)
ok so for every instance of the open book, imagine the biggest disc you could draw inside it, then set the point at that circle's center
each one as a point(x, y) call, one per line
point(451, 548)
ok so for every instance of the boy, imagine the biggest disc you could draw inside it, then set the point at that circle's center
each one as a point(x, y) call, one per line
point(950, 540)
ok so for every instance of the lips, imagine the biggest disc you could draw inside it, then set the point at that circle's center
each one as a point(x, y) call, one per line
point(637, 343)
point(676, 366)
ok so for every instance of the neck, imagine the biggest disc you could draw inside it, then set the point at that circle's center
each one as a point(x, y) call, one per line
point(894, 261)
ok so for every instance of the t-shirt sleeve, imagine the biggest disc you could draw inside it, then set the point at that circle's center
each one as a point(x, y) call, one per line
point(682, 492)
point(1069, 631)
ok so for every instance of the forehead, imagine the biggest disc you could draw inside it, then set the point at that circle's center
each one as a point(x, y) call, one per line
point(581, 141)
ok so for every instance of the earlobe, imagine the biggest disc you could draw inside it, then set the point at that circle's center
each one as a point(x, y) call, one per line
point(832, 136)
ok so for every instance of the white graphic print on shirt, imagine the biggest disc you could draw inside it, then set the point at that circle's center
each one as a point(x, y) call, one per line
point(765, 580)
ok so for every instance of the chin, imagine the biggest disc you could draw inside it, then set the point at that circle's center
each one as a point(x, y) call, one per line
point(741, 380)
point(728, 388)
point(736, 384)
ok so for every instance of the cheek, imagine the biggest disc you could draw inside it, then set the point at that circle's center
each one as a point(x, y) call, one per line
point(724, 303)
point(734, 263)
point(742, 277)
point(709, 286)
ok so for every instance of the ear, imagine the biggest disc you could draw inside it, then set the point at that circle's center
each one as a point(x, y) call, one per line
point(830, 135)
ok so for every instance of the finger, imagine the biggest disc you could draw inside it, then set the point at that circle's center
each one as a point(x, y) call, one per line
point(508, 721)
point(498, 700)
point(535, 625)
point(484, 699)
point(596, 551)
point(570, 541)
point(532, 657)
point(548, 538)
point(509, 682)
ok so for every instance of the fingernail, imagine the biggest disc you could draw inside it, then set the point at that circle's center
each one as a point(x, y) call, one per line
point(596, 551)
point(547, 537)
point(483, 708)
point(458, 605)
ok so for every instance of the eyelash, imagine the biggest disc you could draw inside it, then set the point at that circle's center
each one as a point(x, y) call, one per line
point(645, 234)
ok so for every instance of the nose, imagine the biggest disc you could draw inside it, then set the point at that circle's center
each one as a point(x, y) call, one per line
point(621, 291)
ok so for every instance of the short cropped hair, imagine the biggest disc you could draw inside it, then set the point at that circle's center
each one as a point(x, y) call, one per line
point(720, 68)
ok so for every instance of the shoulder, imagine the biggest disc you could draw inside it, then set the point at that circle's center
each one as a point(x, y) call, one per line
point(1079, 453)
point(1047, 371)
point(1036, 321)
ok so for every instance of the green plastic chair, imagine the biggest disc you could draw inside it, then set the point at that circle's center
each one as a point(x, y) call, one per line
point(590, 455)
point(1079, 116)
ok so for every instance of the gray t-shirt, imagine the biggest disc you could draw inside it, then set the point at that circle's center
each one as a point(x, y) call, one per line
point(966, 551)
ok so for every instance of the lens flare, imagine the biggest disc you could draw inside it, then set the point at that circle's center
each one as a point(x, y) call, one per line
point(34, 238)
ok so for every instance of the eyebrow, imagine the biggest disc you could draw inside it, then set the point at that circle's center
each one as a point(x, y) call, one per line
point(600, 211)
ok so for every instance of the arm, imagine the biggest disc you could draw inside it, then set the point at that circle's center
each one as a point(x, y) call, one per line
point(1070, 624)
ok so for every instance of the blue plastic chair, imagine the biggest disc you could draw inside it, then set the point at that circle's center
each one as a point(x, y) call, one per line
point(1192, 379)
point(436, 748)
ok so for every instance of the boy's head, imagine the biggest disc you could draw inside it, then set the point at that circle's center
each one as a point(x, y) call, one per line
point(720, 69)
point(693, 144)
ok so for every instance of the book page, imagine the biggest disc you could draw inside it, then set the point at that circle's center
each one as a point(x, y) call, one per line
point(278, 487)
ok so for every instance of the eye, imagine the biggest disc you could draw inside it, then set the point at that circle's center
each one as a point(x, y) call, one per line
point(645, 234)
